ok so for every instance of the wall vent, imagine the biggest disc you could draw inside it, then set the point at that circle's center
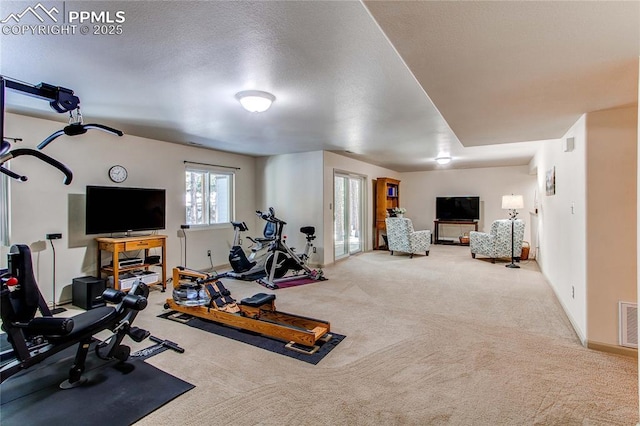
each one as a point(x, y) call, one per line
point(569, 144)
point(628, 314)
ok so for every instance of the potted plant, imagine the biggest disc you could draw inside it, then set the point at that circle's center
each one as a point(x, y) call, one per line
point(399, 211)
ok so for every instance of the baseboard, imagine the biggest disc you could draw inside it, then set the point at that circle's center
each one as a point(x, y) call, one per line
point(60, 303)
point(575, 327)
point(614, 349)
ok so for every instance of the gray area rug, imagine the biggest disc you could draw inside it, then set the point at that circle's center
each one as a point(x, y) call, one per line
point(114, 394)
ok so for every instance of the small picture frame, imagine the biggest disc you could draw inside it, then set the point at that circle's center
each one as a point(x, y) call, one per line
point(550, 181)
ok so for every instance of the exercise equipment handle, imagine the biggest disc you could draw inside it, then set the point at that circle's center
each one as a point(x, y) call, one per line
point(167, 343)
point(39, 155)
point(207, 280)
point(13, 175)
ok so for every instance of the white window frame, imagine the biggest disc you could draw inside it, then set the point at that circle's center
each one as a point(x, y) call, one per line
point(4, 210)
point(206, 172)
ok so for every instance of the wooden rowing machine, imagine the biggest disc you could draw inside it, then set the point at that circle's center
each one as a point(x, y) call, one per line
point(257, 313)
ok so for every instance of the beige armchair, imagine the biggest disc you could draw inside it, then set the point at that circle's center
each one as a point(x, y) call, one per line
point(402, 237)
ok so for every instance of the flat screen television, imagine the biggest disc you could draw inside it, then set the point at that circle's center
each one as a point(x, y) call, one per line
point(112, 209)
point(458, 208)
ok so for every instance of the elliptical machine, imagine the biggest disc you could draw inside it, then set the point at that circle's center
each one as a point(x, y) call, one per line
point(282, 258)
point(252, 267)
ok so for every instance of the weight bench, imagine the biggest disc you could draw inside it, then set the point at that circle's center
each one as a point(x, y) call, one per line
point(34, 339)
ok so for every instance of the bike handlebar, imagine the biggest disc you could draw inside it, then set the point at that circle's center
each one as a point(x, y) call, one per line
point(39, 155)
point(270, 217)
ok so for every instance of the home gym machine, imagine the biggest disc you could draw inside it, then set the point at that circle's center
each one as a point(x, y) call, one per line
point(252, 267)
point(36, 338)
point(61, 100)
point(283, 258)
point(204, 296)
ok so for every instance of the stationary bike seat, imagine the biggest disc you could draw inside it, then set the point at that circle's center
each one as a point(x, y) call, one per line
point(308, 230)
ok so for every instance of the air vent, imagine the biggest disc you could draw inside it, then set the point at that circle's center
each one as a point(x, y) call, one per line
point(628, 314)
point(569, 144)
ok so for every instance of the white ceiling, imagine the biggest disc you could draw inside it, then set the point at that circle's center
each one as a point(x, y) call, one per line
point(347, 76)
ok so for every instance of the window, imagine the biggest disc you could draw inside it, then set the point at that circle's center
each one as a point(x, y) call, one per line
point(209, 196)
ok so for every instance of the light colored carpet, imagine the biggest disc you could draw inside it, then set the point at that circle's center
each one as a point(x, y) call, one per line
point(437, 340)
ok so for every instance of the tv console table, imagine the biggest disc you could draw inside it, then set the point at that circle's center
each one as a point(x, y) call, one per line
point(119, 245)
point(437, 223)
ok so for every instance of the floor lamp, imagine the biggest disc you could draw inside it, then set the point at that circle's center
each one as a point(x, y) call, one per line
point(512, 203)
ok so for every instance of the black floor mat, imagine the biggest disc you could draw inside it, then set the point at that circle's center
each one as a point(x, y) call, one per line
point(115, 393)
point(260, 341)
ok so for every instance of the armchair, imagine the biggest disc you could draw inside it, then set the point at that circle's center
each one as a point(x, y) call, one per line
point(402, 237)
point(497, 243)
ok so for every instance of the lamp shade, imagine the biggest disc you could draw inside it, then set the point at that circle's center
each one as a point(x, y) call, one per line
point(255, 100)
point(512, 202)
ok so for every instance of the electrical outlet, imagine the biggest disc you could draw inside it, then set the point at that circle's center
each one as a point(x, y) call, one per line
point(53, 236)
point(209, 253)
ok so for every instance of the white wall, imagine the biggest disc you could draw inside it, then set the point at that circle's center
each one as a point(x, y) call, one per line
point(588, 228)
point(44, 205)
point(292, 185)
point(562, 224)
point(420, 190)
point(611, 219)
point(335, 162)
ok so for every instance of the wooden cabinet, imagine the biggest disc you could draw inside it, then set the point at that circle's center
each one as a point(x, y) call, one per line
point(387, 197)
point(115, 246)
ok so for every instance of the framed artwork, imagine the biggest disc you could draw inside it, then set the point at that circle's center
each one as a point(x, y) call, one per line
point(550, 182)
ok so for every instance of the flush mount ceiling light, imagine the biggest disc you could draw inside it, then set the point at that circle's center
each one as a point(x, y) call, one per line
point(255, 100)
point(443, 160)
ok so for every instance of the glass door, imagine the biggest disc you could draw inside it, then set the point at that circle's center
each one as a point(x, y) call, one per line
point(348, 214)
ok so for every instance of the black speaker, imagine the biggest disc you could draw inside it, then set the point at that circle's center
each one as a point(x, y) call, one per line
point(86, 292)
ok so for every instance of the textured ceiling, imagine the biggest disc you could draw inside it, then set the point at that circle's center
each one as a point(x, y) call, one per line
point(347, 76)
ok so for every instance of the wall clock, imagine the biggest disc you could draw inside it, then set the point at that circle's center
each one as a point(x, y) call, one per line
point(118, 174)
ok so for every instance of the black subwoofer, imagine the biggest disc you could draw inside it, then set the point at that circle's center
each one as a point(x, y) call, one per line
point(86, 292)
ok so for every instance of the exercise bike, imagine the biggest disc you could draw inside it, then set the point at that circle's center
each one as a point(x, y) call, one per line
point(282, 258)
point(250, 267)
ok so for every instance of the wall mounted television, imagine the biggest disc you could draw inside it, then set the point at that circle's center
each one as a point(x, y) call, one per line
point(458, 208)
point(111, 209)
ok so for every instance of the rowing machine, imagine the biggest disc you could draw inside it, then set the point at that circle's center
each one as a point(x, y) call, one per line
point(257, 313)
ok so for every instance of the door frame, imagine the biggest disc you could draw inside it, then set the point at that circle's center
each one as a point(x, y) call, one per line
point(364, 216)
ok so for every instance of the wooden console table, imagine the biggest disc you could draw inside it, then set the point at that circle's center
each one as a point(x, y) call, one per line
point(121, 245)
point(437, 223)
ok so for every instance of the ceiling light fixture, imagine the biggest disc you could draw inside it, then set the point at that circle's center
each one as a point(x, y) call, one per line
point(443, 160)
point(255, 100)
